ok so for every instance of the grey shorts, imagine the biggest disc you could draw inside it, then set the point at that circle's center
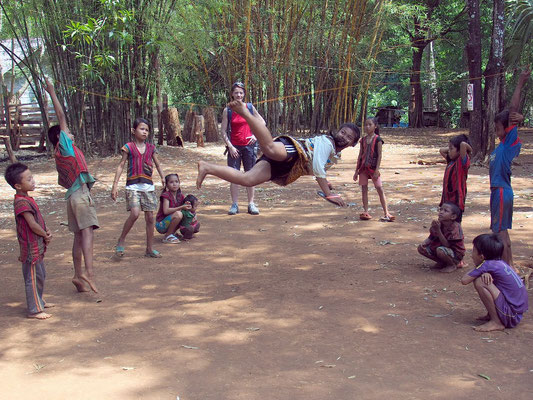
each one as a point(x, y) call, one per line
point(247, 156)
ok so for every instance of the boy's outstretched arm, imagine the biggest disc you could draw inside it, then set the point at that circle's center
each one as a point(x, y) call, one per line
point(60, 114)
point(514, 105)
point(335, 198)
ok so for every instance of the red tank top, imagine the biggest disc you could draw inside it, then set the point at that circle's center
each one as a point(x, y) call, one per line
point(240, 130)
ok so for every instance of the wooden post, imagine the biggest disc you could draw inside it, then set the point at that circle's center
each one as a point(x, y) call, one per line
point(199, 130)
point(9, 149)
point(211, 125)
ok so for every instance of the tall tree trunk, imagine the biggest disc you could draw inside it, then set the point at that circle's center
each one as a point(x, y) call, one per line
point(415, 95)
point(473, 49)
point(493, 73)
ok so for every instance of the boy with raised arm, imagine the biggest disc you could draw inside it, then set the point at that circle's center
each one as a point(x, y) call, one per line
point(74, 176)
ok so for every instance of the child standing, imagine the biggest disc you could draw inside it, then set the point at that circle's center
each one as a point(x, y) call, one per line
point(457, 156)
point(140, 189)
point(74, 176)
point(189, 225)
point(171, 207)
point(33, 237)
point(445, 244)
point(499, 287)
point(501, 192)
point(368, 163)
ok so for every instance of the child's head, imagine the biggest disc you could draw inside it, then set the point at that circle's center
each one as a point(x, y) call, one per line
point(192, 200)
point(53, 134)
point(347, 135)
point(372, 126)
point(238, 91)
point(19, 177)
point(454, 146)
point(172, 182)
point(450, 212)
point(488, 246)
point(501, 123)
point(141, 129)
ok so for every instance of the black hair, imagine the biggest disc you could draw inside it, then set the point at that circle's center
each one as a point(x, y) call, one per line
point(191, 199)
point(503, 118)
point(375, 121)
point(140, 121)
point(238, 84)
point(354, 128)
point(456, 210)
point(457, 140)
point(53, 134)
point(13, 173)
point(489, 245)
point(167, 177)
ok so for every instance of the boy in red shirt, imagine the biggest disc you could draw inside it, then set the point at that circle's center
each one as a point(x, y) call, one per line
point(33, 236)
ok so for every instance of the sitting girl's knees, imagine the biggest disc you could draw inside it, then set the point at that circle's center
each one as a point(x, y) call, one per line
point(177, 215)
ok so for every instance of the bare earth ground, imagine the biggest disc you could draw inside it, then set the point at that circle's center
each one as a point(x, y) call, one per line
point(304, 301)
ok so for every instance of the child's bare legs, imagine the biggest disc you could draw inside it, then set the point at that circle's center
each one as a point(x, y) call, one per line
point(150, 225)
point(134, 214)
point(507, 255)
point(488, 294)
point(273, 150)
point(260, 173)
point(364, 192)
point(175, 220)
point(383, 201)
point(82, 250)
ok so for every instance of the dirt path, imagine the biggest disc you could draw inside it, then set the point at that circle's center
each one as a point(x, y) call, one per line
point(304, 301)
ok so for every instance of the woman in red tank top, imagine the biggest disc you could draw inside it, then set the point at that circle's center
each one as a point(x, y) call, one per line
point(241, 144)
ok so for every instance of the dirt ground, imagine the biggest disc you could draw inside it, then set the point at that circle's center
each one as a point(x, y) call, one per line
point(304, 301)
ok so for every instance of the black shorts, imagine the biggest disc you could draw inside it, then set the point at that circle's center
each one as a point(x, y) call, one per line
point(279, 169)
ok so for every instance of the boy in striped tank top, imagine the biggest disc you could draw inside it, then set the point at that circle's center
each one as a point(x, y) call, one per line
point(140, 190)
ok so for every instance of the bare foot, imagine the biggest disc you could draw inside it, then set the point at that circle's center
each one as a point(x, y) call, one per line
point(41, 315)
point(461, 264)
point(91, 284)
point(49, 305)
point(489, 327)
point(483, 318)
point(449, 268)
point(202, 172)
point(80, 285)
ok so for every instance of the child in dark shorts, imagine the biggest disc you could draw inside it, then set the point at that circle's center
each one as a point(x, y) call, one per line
point(445, 243)
point(499, 287)
point(285, 159)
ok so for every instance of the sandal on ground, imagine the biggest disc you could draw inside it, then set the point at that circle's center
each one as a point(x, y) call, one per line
point(390, 218)
point(171, 239)
point(365, 216)
point(119, 251)
point(153, 254)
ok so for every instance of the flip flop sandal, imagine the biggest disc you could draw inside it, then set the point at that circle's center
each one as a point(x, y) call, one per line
point(392, 218)
point(328, 198)
point(153, 254)
point(171, 239)
point(365, 216)
point(119, 251)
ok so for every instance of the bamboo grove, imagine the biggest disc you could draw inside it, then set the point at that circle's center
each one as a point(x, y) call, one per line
point(111, 58)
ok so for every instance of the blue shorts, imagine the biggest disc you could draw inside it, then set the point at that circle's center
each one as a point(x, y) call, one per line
point(247, 156)
point(162, 226)
point(501, 209)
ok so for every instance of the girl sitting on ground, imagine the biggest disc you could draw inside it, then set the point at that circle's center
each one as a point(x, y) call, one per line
point(172, 206)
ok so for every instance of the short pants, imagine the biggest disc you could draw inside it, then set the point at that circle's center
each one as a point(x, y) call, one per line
point(508, 318)
point(363, 180)
point(162, 226)
point(247, 156)
point(501, 209)
point(279, 169)
point(449, 252)
point(146, 201)
point(81, 210)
